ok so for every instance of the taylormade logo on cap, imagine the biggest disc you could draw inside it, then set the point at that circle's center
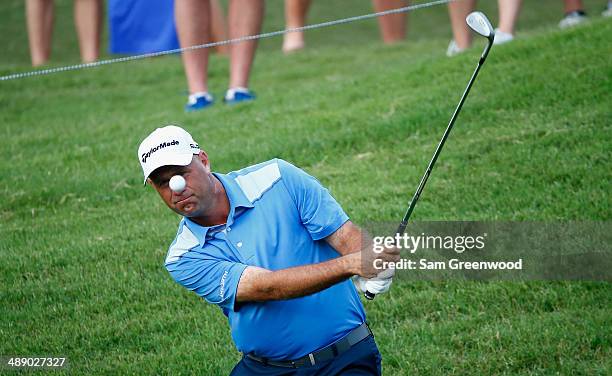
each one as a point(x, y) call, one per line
point(153, 150)
point(167, 146)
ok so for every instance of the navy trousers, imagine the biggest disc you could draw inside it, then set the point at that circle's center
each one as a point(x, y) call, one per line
point(360, 360)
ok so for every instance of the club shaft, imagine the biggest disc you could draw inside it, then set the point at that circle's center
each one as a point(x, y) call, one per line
point(402, 226)
point(404, 223)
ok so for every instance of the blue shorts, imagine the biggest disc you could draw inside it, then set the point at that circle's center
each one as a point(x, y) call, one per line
point(361, 359)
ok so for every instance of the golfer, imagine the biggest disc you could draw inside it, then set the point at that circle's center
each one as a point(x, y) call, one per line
point(275, 252)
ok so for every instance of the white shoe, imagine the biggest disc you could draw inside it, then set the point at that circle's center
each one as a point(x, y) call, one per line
point(608, 11)
point(573, 18)
point(501, 37)
point(453, 49)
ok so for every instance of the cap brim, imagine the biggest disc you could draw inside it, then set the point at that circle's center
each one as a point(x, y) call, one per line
point(174, 160)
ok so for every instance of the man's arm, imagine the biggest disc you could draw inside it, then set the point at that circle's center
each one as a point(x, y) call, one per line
point(258, 284)
point(349, 238)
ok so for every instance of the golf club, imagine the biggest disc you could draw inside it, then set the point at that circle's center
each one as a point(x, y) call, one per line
point(478, 22)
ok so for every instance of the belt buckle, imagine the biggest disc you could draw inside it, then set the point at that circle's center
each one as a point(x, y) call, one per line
point(312, 359)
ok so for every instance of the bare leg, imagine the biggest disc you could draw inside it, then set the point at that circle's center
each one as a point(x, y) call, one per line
point(193, 28)
point(245, 18)
point(39, 15)
point(392, 26)
point(218, 26)
point(508, 14)
point(295, 16)
point(458, 12)
point(573, 5)
point(88, 22)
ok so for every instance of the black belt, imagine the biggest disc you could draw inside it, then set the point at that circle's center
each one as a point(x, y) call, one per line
point(327, 353)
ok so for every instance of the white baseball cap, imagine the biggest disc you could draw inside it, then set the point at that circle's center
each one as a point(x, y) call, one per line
point(167, 146)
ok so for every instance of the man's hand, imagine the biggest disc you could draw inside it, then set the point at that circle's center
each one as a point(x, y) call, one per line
point(354, 243)
point(377, 264)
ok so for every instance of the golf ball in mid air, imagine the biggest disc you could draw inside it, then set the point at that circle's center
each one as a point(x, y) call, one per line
point(177, 183)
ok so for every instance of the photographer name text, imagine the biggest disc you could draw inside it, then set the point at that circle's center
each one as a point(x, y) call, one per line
point(452, 264)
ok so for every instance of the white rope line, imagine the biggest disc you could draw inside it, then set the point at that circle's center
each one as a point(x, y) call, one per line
point(221, 43)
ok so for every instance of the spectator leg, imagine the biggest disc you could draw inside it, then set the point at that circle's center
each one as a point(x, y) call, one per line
point(245, 18)
point(393, 26)
point(458, 12)
point(508, 14)
point(193, 28)
point(88, 23)
point(39, 16)
point(218, 26)
point(573, 5)
point(295, 16)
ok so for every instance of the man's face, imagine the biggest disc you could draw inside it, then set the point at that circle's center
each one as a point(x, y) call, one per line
point(198, 196)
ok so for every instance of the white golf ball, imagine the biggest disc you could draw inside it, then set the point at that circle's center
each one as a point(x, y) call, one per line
point(177, 183)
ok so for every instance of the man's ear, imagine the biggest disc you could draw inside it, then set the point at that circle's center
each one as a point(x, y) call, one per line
point(150, 182)
point(203, 157)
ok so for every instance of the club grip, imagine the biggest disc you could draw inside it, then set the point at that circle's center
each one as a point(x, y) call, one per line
point(368, 295)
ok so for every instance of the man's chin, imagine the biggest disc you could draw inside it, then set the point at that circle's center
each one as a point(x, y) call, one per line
point(188, 211)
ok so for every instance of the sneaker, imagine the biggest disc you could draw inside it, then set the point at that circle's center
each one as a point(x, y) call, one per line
point(238, 95)
point(573, 18)
point(502, 37)
point(608, 11)
point(453, 49)
point(198, 101)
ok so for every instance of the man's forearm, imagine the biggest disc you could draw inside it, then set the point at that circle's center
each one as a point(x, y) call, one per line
point(349, 238)
point(257, 284)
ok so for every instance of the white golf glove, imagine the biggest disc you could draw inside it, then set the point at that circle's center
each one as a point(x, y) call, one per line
point(375, 286)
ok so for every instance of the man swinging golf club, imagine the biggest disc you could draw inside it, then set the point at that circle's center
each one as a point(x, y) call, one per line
point(272, 248)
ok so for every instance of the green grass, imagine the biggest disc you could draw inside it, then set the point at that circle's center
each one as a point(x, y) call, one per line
point(82, 242)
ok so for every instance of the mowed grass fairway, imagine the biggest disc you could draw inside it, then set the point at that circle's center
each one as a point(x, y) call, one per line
point(82, 243)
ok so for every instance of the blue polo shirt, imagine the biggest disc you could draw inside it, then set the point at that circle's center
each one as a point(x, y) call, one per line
point(279, 216)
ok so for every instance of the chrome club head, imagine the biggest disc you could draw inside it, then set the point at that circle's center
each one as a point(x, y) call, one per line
point(478, 22)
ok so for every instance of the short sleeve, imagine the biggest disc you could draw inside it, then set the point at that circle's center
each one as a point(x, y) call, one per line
point(214, 280)
point(319, 212)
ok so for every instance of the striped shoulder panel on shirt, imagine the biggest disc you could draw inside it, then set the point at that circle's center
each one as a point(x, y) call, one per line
point(185, 241)
point(257, 181)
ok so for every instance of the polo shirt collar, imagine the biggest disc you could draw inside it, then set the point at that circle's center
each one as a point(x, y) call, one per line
point(235, 194)
point(237, 199)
